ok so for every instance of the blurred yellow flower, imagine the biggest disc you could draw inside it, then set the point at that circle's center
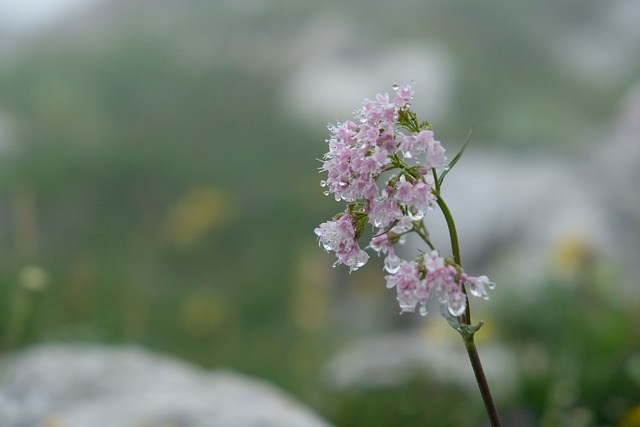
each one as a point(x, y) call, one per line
point(197, 213)
point(202, 312)
point(571, 255)
point(631, 418)
point(309, 307)
point(33, 278)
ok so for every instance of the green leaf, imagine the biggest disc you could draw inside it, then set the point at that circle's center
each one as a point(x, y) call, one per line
point(468, 331)
point(451, 320)
point(393, 224)
point(453, 162)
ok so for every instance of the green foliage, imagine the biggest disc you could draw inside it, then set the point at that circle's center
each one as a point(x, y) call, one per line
point(153, 184)
point(419, 402)
point(576, 348)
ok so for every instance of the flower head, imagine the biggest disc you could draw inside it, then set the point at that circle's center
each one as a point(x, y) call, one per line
point(411, 289)
point(383, 165)
point(339, 236)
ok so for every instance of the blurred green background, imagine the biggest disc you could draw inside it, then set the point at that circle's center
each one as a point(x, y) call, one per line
point(159, 186)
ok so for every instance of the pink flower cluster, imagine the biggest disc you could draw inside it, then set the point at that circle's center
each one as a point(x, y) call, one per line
point(383, 166)
point(417, 281)
point(340, 236)
point(359, 153)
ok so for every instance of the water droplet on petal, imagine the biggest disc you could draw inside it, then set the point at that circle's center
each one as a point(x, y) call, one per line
point(456, 311)
point(392, 263)
point(423, 311)
point(416, 215)
point(391, 269)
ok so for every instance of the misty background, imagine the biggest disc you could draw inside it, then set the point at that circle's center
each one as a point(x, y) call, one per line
point(159, 187)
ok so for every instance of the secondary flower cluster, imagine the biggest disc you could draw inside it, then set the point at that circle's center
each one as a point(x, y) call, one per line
point(429, 275)
point(383, 166)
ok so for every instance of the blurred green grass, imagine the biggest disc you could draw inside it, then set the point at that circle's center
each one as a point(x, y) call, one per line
point(136, 185)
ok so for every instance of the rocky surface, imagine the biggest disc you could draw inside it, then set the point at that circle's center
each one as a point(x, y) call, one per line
point(393, 359)
point(530, 215)
point(82, 385)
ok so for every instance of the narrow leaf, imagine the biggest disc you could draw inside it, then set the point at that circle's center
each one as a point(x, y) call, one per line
point(393, 224)
point(457, 157)
point(451, 320)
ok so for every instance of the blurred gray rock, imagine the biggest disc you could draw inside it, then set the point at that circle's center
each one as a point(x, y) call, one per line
point(617, 156)
point(524, 217)
point(619, 153)
point(393, 359)
point(516, 213)
point(333, 68)
point(83, 385)
point(604, 49)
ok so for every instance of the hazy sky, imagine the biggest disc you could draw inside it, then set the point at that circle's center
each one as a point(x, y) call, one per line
point(26, 16)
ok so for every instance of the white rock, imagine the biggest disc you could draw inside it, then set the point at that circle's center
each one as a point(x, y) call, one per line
point(518, 213)
point(393, 359)
point(603, 50)
point(82, 385)
point(513, 213)
point(335, 68)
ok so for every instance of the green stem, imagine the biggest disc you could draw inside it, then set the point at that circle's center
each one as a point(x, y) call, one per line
point(481, 379)
point(422, 232)
point(465, 329)
point(455, 249)
point(451, 225)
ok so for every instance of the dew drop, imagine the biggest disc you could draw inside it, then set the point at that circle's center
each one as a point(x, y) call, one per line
point(407, 306)
point(358, 264)
point(391, 268)
point(395, 86)
point(417, 215)
point(456, 310)
point(392, 263)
